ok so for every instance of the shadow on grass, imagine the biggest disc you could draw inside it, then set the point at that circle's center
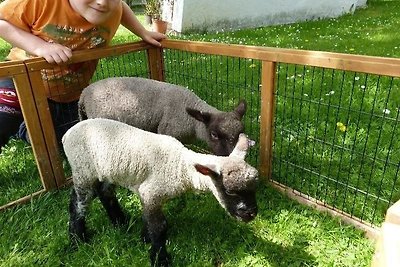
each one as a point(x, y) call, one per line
point(207, 236)
point(200, 234)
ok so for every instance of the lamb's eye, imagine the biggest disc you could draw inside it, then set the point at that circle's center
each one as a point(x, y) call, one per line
point(214, 135)
point(231, 193)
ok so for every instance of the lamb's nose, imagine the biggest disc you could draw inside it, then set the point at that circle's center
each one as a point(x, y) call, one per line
point(242, 208)
point(253, 212)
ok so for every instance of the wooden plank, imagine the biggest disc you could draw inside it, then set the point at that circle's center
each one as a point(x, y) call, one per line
point(370, 231)
point(47, 126)
point(33, 125)
point(156, 63)
point(387, 248)
point(268, 74)
point(357, 63)
point(393, 213)
point(36, 64)
point(22, 200)
point(391, 244)
point(10, 68)
point(68, 182)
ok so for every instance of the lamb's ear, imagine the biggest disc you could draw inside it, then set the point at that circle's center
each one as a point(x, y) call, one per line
point(242, 146)
point(209, 170)
point(199, 115)
point(241, 108)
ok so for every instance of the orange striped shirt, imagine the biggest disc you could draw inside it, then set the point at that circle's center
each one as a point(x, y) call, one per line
point(56, 21)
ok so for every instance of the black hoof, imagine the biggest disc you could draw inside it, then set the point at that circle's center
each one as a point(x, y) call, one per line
point(145, 236)
point(121, 220)
point(162, 261)
point(76, 239)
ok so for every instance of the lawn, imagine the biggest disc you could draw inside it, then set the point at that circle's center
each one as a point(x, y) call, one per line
point(372, 31)
point(284, 233)
point(201, 234)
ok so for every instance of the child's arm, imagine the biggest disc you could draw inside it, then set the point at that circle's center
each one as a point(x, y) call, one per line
point(52, 52)
point(130, 21)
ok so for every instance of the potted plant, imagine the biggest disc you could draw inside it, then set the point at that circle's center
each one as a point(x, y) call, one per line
point(153, 9)
point(147, 18)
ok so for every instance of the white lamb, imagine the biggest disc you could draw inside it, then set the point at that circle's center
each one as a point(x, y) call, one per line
point(104, 153)
point(163, 108)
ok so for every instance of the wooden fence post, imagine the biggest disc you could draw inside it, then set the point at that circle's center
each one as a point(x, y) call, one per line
point(43, 111)
point(156, 63)
point(267, 117)
point(33, 125)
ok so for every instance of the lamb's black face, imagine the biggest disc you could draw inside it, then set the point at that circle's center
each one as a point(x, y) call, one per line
point(223, 131)
point(223, 128)
point(236, 188)
point(241, 204)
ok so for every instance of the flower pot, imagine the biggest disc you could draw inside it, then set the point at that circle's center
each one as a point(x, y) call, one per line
point(147, 19)
point(160, 25)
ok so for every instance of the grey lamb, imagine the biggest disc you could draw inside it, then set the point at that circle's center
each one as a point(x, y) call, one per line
point(163, 108)
point(104, 153)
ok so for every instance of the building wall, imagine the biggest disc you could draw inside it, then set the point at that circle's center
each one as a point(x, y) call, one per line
point(217, 15)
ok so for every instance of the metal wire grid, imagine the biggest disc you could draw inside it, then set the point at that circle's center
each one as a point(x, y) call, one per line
point(134, 64)
point(335, 131)
point(220, 81)
point(336, 138)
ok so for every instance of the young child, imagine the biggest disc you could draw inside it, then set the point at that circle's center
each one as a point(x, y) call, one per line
point(52, 29)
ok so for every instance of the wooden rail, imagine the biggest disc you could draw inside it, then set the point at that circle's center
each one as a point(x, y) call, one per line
point(370, 231)
point(36, 64)
point(356, 63)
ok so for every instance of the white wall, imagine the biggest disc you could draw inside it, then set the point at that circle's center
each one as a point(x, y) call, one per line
point(216, 15)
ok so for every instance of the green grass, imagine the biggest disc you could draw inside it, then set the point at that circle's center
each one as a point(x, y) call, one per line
point(200, 234)
point(285, 234)
point(371, 31)
point(18, 172)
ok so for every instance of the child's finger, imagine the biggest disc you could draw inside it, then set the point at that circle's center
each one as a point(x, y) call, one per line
point(65, 56)
point(68, 52)
point(54, 58)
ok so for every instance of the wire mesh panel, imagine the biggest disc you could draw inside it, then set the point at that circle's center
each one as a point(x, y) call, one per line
point(64, 114)
point(133, 64)
point(59, 88)
point(130, 64)
point(334, 131)
point(221, 81)
point(336, 138)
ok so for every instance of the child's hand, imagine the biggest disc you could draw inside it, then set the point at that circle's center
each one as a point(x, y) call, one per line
point(153, 38)
point(54, 53)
